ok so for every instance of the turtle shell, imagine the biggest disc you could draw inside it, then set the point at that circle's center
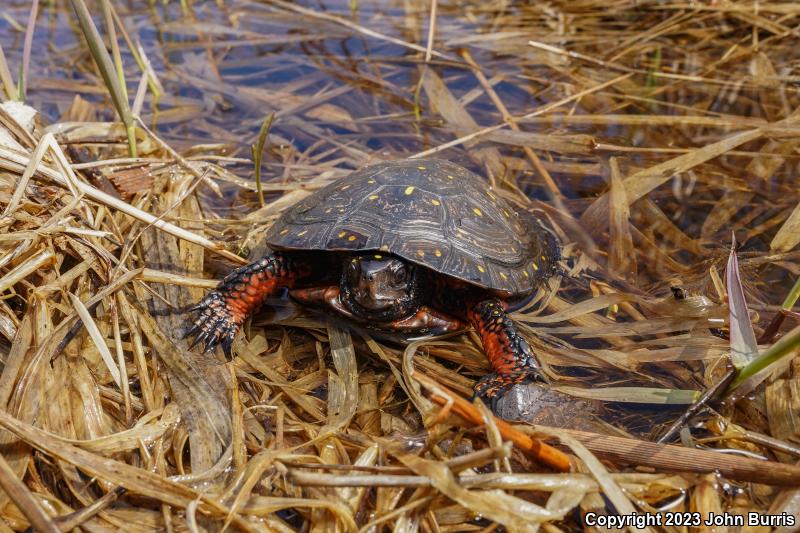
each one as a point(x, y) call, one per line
point(429, 212)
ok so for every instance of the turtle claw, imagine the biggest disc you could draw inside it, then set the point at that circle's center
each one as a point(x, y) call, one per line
point(227, 343)
point(192, 332)
point(217, 324)
point(210, 343)
point(195, 340)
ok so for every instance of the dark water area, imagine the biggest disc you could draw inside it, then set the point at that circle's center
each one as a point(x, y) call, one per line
point(226, 65)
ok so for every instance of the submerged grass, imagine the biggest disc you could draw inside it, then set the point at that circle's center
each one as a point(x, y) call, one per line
point(644, 133)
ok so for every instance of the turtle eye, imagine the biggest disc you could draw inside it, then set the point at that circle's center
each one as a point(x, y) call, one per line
point(400, 275)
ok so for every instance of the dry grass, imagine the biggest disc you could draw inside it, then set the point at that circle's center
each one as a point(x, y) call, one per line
point(644, 132)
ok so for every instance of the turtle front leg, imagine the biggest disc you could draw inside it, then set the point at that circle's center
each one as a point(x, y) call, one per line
point(426, 320)
point(324, 297)
point(511, 357)
point(224, 309)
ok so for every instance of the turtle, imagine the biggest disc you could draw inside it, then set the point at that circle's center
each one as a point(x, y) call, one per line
point(414, 247)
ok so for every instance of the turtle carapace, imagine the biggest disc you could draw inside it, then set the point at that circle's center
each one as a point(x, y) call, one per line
point(414, 247)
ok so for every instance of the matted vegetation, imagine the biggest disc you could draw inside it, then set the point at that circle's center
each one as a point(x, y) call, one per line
point(645, 133)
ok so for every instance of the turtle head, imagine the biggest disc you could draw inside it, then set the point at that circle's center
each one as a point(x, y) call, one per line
point(380, 287)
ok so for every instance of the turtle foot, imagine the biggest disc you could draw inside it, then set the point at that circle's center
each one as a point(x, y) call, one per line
point(217, 324)
point(491, 387)
point(223, 310)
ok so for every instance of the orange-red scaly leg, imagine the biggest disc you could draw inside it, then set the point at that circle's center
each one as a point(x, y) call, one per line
point(511, 357)
point(224, 309)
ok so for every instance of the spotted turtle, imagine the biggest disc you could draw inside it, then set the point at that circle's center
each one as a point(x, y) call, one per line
point(414, 247)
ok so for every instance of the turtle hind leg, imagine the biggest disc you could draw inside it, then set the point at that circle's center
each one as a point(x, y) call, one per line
point(510, 355)
point(224, 309)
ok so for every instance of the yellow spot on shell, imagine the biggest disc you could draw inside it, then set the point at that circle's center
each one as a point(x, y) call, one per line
point(345, 187)
point(302, 233)
point(422, 168)
point(342, 234)
point(544, 258)
point(450, 177)
point(436, 202)
point(525, 273)
point(505, 212)
point(481, 268)
point(477, 212)
point(438, 253)
point(409, 190)
point(420, 253)
point(284, 231)
point(502, 275)
point(370, 181)
point(351, 238)
point(535, 266)
point(378, 256)
point(492, 196)
point(373, 197)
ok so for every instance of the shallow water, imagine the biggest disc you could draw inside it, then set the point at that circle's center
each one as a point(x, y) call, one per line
point(225, 65)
